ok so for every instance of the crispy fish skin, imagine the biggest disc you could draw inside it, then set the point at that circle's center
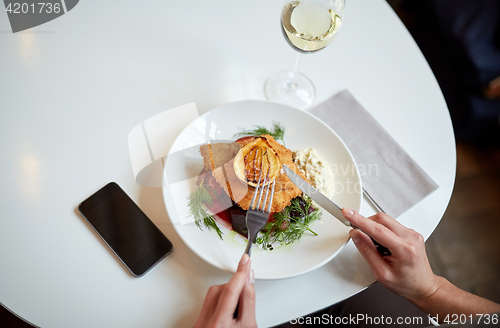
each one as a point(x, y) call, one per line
point(242, 193)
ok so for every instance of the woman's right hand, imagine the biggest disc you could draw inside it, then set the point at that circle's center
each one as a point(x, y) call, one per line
point(407, 271)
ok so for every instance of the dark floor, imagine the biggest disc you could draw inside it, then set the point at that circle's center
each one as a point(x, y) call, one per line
point(9, 320)
point(465, 247)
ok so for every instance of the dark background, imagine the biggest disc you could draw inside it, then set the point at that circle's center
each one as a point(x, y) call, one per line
point(461, 41)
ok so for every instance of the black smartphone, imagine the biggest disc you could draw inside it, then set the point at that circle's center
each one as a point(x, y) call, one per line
point(130, 234)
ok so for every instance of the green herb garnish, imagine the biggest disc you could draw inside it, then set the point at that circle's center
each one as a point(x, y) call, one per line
point(198, 201)
point(278, 132)
point(289, 225)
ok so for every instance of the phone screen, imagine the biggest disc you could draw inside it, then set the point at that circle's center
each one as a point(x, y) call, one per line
point(132, 236)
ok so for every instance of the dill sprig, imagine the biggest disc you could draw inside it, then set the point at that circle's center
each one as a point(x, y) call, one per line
point(277, 132)
point(289, 225)
point(198, 201)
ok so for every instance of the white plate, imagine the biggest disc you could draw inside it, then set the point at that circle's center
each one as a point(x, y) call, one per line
point(302, 130)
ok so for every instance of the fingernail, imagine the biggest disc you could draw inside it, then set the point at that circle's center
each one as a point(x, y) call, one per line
point(354, 236)
point(244, 259)
point(348, 211)
point(251, 277)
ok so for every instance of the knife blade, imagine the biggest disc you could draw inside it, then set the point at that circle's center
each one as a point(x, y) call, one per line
point(316, 195)
point(327, 204)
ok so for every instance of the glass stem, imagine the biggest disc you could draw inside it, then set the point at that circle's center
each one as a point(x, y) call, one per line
point(291, 86)
point(297, 62)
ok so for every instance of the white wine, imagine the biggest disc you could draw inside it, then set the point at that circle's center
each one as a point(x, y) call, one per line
point(309, 27)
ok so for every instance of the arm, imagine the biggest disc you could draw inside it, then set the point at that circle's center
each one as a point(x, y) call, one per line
point(407, 271)
point(449, 299)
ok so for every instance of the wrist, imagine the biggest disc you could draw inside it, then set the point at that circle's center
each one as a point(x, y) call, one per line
point(429, 293)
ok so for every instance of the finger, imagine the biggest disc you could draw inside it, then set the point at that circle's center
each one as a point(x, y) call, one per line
point(390, 223)
point(232, 290)
point(247, 302)
point(209, 304)
point(369, 252)
point(377, 231)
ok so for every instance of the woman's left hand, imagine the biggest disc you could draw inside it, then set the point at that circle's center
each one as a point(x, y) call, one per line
point(221, 301)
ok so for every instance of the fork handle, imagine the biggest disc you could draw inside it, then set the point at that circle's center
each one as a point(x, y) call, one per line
point(384, 251)
point(250, 238)
point(248, 251)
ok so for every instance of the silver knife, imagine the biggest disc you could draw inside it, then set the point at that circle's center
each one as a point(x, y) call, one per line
point(316, 195)
point(326, 203)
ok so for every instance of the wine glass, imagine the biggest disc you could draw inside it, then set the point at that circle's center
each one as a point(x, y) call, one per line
point(308, 26)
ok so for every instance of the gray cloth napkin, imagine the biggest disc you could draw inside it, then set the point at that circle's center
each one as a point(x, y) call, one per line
point(391, 177)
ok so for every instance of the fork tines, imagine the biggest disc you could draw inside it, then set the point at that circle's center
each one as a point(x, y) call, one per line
point(257, 206)
point(257, 217)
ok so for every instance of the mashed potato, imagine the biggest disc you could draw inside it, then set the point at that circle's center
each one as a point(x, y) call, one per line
point(316, 170)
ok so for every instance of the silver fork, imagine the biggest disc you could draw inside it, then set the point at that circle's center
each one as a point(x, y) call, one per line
point(257, 216)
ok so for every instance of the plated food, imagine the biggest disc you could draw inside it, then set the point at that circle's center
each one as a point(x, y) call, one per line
point(231, 172)
point(303, 131)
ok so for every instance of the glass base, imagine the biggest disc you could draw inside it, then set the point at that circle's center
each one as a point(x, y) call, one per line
point(290, 88)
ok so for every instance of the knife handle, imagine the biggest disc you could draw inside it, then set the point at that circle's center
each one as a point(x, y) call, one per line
point(384, 251)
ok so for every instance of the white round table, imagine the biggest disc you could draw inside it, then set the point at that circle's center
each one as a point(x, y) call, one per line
point(73, 88)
